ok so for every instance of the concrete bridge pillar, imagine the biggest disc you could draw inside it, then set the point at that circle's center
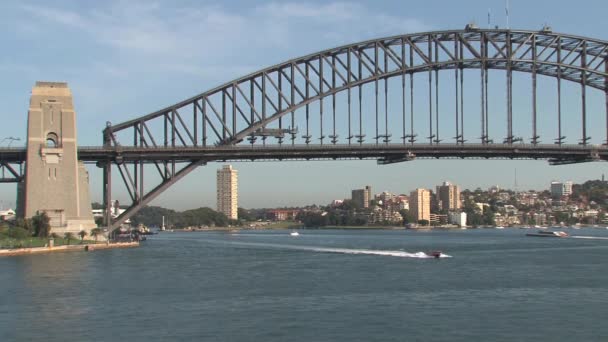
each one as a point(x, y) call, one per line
point(55, 181)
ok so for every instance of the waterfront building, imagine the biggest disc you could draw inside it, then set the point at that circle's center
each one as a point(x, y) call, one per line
point(337, 203)
point(380, 215)
point(420, 204)
point(438, 219)
point(404, 204)
point(362, 197)
point(385, 197)
point(559, 189)
point(459, 219)
point(7, 215)
point(227, 191)
point(282, 214)
point(494, 189)
point(448, 196)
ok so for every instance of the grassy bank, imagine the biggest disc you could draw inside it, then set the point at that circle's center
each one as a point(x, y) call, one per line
point(18, 238)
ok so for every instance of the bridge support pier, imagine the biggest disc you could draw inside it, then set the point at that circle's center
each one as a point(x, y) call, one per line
point(56, 183)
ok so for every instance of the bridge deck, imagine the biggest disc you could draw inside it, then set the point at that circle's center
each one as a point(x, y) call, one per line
point(574, 153)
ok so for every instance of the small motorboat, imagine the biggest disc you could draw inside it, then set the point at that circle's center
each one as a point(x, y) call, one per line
point(435, 254)
point(294, 234)
point(542, 233)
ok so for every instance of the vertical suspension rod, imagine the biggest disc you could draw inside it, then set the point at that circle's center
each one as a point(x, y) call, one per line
point(360, 138)
point(349, 91)
point(293, 100)
point(606, 96)
point(457, 137)
point(584, 93)
point(403, 86)
point(534, 129)
point(333, 99)
point(484, 43)
point(411, 95)
point(321, 99)
point(430, 52)
point(280, 100)
point(509, 92)
point(307, 72)
point(376, 88)
point(386, 140)
point(559, 93)
point(436, 95)
point(461, 94)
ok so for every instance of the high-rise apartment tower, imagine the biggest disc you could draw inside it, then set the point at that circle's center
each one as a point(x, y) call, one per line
point(227, 191)
point(420, 204)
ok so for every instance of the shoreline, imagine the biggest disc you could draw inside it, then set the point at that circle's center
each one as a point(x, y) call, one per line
point(228, 229)
point(67, 248)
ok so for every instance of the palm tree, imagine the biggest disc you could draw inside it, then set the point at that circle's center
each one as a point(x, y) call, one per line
point(95, 232)
point(82, 234)
point(68, 236)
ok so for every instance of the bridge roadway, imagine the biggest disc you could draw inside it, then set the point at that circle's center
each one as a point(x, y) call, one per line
point(385, 153)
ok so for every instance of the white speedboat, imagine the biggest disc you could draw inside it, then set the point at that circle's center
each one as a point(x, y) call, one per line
point(500, 227)
point(542, 233)
point(294, 234)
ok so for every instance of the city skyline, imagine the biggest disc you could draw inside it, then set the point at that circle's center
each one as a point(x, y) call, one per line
point(138, 55)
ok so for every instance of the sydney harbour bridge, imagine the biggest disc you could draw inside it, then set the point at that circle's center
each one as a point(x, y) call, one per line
point(360, 101)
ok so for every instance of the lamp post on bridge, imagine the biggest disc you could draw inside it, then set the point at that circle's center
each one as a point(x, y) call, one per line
point(10, 140)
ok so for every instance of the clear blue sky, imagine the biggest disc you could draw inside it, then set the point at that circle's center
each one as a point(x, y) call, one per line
point(124, 59)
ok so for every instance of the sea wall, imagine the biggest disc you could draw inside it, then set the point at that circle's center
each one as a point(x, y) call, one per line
point(67, 248)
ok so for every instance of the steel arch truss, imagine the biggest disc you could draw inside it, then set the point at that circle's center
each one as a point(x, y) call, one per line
point(266, 104)
point(11, 172)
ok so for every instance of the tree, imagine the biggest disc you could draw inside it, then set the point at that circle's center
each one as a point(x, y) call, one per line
point(423, 222)
point(68, 236)
point(95, 232)
point(41, 224)
point(82, 234)
point(25, 224)
point(245, 215)
point(408, 216)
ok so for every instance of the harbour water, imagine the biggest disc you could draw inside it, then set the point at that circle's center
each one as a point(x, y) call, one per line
point(324, 285)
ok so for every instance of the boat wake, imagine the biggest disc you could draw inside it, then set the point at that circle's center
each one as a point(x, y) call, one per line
point(392, 253)
point(400, 254)
point(589, 237)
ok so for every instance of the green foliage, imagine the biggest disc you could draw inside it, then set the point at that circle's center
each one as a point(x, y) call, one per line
point(200, 217)
point(25, 224)
point(153, 216)
point(99, 221)
point(18, 233)
point(95, 232)
point(313, 219)
point(595, 190)
point(97, 205)
point(69, 236)
point(408, 216)
point(82, 234)
point(245, 215)
point(423, 222)
point(41, 224)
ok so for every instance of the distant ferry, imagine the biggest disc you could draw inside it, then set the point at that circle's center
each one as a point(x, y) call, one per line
point(541, 233)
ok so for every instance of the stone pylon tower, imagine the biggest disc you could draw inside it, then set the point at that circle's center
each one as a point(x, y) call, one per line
point(55, 181)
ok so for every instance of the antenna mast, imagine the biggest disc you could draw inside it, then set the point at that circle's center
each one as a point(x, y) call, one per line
point(489, 19)
point(507, 11)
